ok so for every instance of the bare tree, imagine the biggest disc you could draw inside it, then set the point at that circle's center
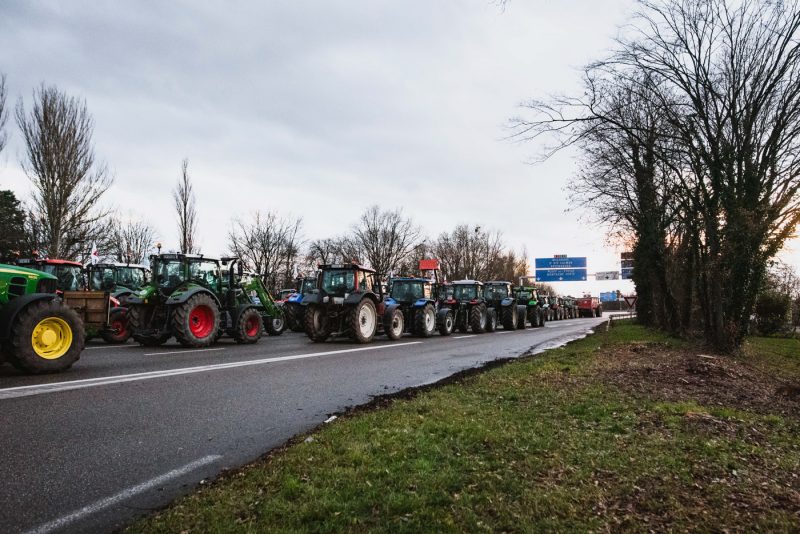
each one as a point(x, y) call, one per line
point(186, 210)
point(3, 112)
point(67, 181)
point(269, 244)
point(386, 238)
point(469, 253)
point(342, 249)
point(133, 240)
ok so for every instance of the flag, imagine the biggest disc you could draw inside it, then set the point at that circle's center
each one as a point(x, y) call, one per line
point(95, 257)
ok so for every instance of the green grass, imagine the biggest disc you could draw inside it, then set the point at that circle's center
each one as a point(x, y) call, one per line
point(778, 355)
point(535, 445)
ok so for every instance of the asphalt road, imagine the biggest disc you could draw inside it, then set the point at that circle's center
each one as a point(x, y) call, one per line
point(130, 428)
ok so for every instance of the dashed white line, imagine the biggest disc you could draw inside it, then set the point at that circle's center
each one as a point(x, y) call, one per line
point(181, 351)
point(464, 337)
point(504, 332)
point(102, 504)
point(38, 389)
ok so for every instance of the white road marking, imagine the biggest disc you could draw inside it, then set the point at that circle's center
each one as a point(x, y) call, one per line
point(464, 337)
point(102, 504)
point(181, 351)
point(504, 332)
point(38, 389)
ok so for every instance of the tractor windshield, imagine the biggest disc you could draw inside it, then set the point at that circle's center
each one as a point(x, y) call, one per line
point(493, 292)
point(308, 284)
point(131, 277)
point(445, 292)
point(169, 274)
point(102, 279)
point(204, 272)
point(69, 276)
point(408, 290)
point(338, 282)
point(465, 292)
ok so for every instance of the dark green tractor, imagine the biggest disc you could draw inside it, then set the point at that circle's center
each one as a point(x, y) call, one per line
point(272, 314)
point(570, 307)
point(499, 296)
point(465, 299)
point(189, 299)
point(38, 332)
point(348, 301)
point(120, 279)
point(528, 296)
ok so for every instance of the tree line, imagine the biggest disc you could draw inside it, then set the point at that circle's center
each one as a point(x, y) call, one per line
point(65, 216)
point(688, 132)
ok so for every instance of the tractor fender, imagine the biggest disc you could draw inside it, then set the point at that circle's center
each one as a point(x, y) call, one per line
point(118, 309)
point(122, 293)
point(442, 313)
point(355, 298)
point(189, 293)
point(311, 298)
point(508, 301)
point(421, 303)
point(14, 307)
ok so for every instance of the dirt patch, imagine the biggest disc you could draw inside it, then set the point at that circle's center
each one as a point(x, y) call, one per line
point(661, 372)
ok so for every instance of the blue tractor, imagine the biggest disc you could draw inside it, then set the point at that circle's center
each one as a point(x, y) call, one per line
point(419, 313)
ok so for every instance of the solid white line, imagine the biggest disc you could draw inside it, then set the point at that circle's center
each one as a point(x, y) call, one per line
point(464, 337)
point(180, 351)
point(38, 389)
point(504, 332)
point(122, 495)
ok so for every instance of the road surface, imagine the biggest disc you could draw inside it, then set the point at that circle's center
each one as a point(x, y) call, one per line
point(130, 428)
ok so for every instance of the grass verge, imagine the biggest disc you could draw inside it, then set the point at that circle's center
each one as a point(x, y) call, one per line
point(624, 430)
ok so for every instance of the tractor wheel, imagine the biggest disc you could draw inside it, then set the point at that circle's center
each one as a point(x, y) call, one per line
point(289, 316)
point(447, 324)
point(118, 330)
point(248, 327)
point(542, 317)
point(491, 320)
point(522, 312)
point(299, 318)
point(395, 325)
point(599, 312)
point(317, 325)
point(510, 317)
point(425, 321)
point(477, 319)
point(46, 337)
point(137, 319)
point(531, 313)
point(196, 321)
point(363, 321)
point(276, 325)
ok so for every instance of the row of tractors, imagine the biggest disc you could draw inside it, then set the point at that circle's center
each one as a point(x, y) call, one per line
point(49, 308)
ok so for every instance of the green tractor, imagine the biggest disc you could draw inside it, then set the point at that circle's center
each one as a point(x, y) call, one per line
point(120, 279)
point(529, 297)
point(499, 295)
point(189, 299)
point(465, 300)
point(38, 332)
point(570, 307)
point(348, 301)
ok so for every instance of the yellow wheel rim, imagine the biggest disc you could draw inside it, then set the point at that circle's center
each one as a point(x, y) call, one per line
point(51, 338)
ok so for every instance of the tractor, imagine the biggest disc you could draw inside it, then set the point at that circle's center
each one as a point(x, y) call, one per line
point(499, 296)
point(38, 332)
point(188, 298)
point(293, 307)
point(571, 307)
point(420, 313)
point(100, 311)
point(556, 309)
point(464, 299)
point(589, 307)
point(528, 296)
point(347, 301)
point(120, 279)
point(272, 312)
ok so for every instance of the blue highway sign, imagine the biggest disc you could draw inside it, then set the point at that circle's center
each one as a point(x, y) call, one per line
point(561, 263)
point(560, 275)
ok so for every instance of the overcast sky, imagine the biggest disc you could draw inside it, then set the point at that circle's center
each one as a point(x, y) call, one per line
point(321, 108)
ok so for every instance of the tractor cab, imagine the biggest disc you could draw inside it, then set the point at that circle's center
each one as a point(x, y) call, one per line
point(468, 291)
point(171, 271)
point(339, 281)
point(409, 290)
point(117, 277)
point(68, 273)
point(499, 297)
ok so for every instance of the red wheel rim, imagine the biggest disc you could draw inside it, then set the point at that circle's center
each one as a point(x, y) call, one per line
point(201, 321)
point(251, 327)
point(118, 327)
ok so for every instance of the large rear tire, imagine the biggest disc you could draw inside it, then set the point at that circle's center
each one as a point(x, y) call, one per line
point(317, 325)
point(491, 320)
point(137, 320)
point(118, 330)
point(477, 318)
point(425, 321)
point(363, 321)
point(196, 321)
point(249, 327)
point(522, 312)
point(46, 337)
point(395, 325)
point(510, 317)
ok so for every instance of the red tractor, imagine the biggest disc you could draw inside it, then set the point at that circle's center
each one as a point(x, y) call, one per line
point(589, 307)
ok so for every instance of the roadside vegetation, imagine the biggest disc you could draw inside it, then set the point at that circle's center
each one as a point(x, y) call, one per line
point(624, 430)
